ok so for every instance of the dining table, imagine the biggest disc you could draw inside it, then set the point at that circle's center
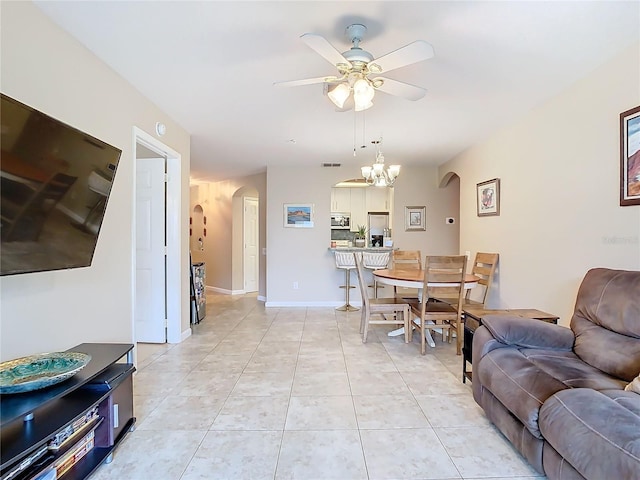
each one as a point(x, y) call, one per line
point(414, 278)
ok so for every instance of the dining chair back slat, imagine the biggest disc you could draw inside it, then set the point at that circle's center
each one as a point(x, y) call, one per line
point(409, 259)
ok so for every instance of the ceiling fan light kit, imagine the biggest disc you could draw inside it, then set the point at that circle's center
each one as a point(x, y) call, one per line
point(339, 94)
point(363, 93)
point(355, 65)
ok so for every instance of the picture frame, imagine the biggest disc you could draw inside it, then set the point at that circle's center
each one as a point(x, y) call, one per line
point(630, 157)
point(415, 218)
point(488, 197)
point(298, 215)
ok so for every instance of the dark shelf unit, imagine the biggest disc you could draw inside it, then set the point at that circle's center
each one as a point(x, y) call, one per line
point(28, 421)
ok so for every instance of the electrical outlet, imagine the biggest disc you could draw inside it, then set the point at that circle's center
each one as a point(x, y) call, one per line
point(295, 285)
point(467, 253)
point(449, 220)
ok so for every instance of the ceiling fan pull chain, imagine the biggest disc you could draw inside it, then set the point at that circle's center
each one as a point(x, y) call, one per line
point(354, 132)
point(364, 120)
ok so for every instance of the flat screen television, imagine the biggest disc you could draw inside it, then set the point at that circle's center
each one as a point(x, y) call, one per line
point(55, 185)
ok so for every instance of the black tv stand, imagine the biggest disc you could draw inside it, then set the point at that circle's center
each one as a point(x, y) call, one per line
point(103, 390)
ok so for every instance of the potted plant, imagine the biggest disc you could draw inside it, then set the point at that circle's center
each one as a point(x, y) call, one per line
point(361, 236)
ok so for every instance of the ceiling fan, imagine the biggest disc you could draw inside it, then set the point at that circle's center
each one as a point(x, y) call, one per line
point(357, 80)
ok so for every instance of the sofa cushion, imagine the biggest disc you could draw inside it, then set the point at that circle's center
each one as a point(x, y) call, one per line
point(628, 400)
point(520, 385)
point(522, 379)
point(597, 435)
point(605, 321)
point(571, 370)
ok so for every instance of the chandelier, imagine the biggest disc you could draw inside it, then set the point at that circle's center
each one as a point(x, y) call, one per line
point(377, 174)
point(357, 86)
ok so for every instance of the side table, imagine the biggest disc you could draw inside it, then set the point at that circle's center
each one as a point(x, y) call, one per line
point(473, 319)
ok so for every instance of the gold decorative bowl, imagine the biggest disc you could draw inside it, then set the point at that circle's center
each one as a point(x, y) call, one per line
point(39, 371)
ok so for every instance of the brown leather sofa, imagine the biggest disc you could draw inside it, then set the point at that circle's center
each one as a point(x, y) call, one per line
point(558, 393)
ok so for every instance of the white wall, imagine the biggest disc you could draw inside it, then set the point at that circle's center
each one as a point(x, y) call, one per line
point(418, 187)
point(301, 254)
point(559, 211)
point(47, 69)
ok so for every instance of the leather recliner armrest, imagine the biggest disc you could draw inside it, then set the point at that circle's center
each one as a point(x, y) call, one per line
point(528, 333)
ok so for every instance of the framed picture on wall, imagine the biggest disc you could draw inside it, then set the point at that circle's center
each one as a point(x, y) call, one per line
point(630, 157)
point(298, 215)
point(488, 197)
point(415, 218)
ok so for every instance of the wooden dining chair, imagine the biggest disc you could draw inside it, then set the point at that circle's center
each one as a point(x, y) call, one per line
point(443, 280)
point(381, 311)
point(406, 260)
point(484, 267)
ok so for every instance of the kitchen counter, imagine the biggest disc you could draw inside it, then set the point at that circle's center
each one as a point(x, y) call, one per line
point(360, 249)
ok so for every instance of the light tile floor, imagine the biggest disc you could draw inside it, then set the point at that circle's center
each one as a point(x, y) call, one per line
point(293, 393)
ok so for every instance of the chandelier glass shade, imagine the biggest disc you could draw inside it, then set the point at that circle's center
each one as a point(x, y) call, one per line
point(357, 85)
point(377, 174)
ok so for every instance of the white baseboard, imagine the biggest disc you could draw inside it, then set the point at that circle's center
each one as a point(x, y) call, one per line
point(185, 334)
point(309, 304)
point(225, 291)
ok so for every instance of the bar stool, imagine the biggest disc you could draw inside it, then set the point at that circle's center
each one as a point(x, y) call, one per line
point(346, 262)
point(375, 261)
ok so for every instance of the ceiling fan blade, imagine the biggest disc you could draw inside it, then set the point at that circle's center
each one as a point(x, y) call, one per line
point(325, 49)
point(306, 81)
point(412, 53)
point(401, 89)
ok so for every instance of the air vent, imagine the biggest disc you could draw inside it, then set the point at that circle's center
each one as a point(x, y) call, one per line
point(331, 165)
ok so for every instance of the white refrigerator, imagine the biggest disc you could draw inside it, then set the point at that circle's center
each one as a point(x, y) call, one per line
point(378, 223)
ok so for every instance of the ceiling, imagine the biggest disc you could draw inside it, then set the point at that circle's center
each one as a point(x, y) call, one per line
point(211, 65)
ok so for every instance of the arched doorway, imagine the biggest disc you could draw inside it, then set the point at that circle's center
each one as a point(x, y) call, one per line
point(451, 180)
point(197, 229)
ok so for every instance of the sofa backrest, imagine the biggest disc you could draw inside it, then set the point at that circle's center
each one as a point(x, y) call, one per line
point(606, 321)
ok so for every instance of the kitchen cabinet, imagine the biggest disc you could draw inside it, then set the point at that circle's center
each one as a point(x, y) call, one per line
point(359, 201)
point(358, 208)
point(341, 200)
point(377, 199)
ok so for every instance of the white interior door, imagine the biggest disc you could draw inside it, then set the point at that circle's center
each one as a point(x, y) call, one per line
point(250, 244)
point(150, 305)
